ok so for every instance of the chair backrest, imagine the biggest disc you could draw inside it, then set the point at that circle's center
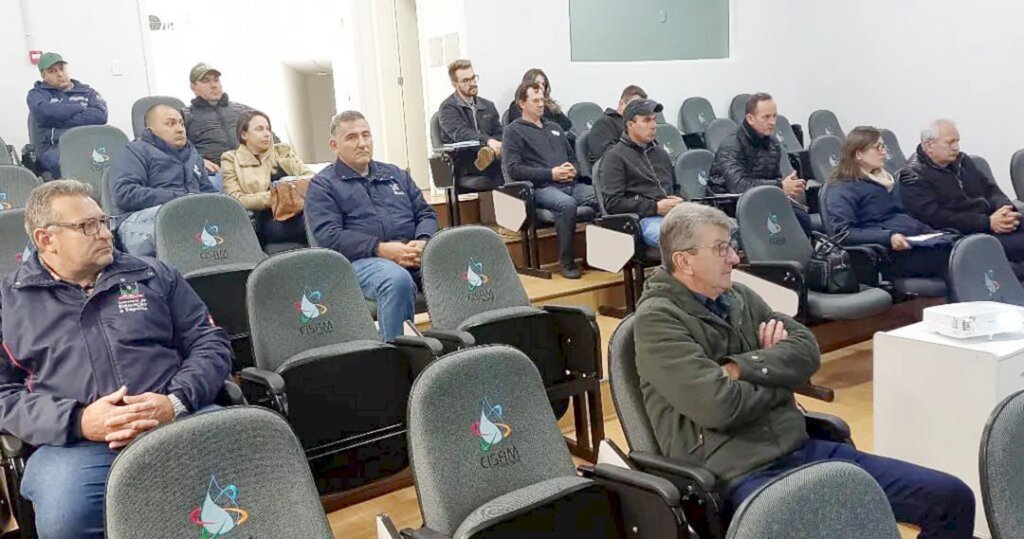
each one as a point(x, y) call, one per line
point(248, 473)
point(13, 240)
point(979, 271)
point(1017, 173)
point(106, 196)
point(671, 141)
point(824, 122)
point(1001, 468)
point(15, 184)
point(895, 159)
point(716, 131)
point(436, 134)
point(823, 207)
point(203, 231)
point(768, 227)
point(304, 299)
point(785, 135)
point(985, 168)
point(6, 158)
point(693, 169)
point(583, 154)
point(625, 386)
point(583, 115)
point(738, 108)
point(598, 194)
point(480, 426)
point(832, 499)
point(86, 151)
point(695, 114)
point(467, 271)
point(143, 104)
point(824, 153)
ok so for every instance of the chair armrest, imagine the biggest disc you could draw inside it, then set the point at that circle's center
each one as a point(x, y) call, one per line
point(816, 392)
point(417, 351)
point(787, 273)
point(13, 447)
point(423, 533)
point(579, 337)
point(827, 427)
point(579, 310)
point(430, 344)
point(230, 394)
point(627, 223)
point(675, 469)
point(451, 339)
point(614, 477)
point(264, 388)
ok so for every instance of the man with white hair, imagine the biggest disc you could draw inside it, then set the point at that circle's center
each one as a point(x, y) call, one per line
point(944, 188)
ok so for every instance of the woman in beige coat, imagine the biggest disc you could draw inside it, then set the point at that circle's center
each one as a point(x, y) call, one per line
point(250, 170)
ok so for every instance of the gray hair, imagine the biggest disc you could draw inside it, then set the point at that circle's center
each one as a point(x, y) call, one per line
point(345, 117)
point(38, 208)
point(932, 131)
point(679, 230)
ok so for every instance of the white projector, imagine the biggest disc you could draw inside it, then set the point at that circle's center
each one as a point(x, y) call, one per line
point(974, 319)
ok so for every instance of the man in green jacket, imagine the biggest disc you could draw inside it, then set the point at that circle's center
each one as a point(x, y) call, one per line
point(718, 367)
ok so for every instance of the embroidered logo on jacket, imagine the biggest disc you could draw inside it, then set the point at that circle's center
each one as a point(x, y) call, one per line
point(220, 513)
point(131, 300)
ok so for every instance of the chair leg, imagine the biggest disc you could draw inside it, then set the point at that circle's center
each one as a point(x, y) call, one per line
point(630, 292)
point(456, 216)
point(596, 415)
point(448, 196)
point(531, 255)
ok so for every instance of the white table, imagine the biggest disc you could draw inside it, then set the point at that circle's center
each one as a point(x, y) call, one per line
point(933, 395)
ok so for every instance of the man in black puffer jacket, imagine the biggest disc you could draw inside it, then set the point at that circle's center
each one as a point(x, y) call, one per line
point(750, 158)
point(637, 174)
point(211, 119)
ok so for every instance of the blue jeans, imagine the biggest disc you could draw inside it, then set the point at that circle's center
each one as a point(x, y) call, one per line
point(217, 179)
point(650, 230)
point(942, 505)
point(136, 231)
point(393, 288)
point(562, 199)
point(50, 161)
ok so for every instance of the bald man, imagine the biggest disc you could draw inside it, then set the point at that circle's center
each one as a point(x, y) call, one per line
point(159, 167)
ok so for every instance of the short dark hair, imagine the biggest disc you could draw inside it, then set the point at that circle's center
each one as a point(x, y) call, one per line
point(457, 65)
point(525, 87)
point(755, 100)
point(345, 117)
point(148, 118)
point(242, 125)
point(632, 90)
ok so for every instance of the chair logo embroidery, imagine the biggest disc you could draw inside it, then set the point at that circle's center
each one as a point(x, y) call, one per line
point(832, 160)
point(220, 513)
point(310, 309)
point(492, 430)
point(477, 281)
point(131, 300)
point(210, 242)
point(100, 159)
point(4, 204)
point(991, 284)
point(702, 178)
point(775, 236)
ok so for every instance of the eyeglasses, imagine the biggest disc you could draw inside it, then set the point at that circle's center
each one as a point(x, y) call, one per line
point(474, 78)
point(721, 248)
point(880, 146)
point(90, 227)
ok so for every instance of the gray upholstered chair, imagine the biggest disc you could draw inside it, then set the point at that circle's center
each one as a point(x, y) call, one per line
point(143, 104)
point(442, 166)
point(778, 250)
point(476, 297)
point(583, 115)
point(703, 504)
point(319, 362)
point(87, 151)
point(786, 136)
point(979, 271)
point(738, 108)
point(13, 240)
point(716, 131)
point(831, 499)
point(692, 172)
point(237, 469)
point(671, 141)
point(824, 122)
point(6, 154)
point(489, 461)
point(824, 154)
point(895, 159)
point(210, 240)
point(695, 114)
point(1002, 470)
point(16, 183)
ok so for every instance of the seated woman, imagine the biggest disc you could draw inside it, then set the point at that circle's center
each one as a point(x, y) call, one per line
point(250, 170)
point(863, 202)
point(552, 110)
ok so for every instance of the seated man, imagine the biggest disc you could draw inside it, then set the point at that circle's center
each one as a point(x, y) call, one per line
point(115, 346)
point(607, 129)
point(750, 157)
point(58, 103)
point(158, 168)
point(210, 119)
point(375, 215)
point(637, 174)
point(944, 188)
point(467, 116)
point(717, 369)
point(537, 151)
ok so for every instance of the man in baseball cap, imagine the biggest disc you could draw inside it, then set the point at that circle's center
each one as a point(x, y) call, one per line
point(210, 119)
point(57, 103)
point(637, 173)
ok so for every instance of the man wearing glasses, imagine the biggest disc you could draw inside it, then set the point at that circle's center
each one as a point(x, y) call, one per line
point(467, 116)
point(718, 368)
point(98, 347)
point(944, 188)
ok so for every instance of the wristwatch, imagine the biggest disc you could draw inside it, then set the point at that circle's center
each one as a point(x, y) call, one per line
point(179, 407)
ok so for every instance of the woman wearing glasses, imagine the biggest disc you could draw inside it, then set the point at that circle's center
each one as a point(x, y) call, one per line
point(863, 202)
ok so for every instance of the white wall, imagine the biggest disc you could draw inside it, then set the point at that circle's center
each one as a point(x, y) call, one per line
point(89, 38)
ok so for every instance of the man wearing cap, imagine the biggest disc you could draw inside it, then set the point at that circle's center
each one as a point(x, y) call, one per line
point(750, 157)
point(537, 151)
point(58, 103)
point(210, 119)
point(637, 174)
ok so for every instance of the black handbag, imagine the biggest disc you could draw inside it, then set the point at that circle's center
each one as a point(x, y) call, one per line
point(829, 269)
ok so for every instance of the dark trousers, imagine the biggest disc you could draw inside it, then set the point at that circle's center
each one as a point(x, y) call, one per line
point(1013, 244)
point(804, 219)
point(272, 231)
point(940, 504)
point(562, 200)
point(921, 262)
